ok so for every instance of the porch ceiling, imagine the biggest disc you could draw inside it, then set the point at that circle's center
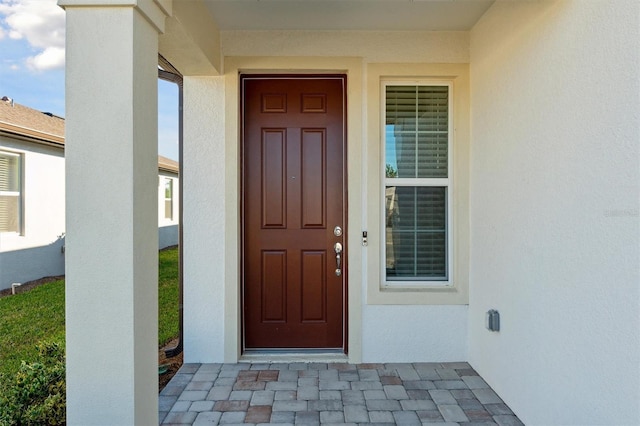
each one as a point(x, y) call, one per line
point(391, 15)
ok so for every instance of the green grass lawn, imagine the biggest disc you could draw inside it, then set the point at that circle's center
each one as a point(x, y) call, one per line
point(28, 318)
point(168, 296)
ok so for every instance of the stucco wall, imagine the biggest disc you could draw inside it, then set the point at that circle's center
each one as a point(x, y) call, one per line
point(38, 251)
point(167, 236)
point(554, 209)
point(372, 46)
point(204, 219)
point(414, 333)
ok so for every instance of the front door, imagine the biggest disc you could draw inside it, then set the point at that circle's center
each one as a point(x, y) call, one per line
point(294, 212)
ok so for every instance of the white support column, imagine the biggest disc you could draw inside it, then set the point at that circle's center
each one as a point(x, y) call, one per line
point(111, 211)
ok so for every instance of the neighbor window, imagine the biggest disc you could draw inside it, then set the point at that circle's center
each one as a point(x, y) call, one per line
point(168, 198)
point(10, 192)
point(417, 184)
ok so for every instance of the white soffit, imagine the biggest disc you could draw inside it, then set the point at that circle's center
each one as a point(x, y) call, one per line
point(362, 15)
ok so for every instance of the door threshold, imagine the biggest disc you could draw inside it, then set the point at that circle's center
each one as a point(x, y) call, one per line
point(294, 355)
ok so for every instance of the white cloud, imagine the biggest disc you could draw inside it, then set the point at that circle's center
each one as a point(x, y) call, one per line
point(41, 24)
point(51, 58)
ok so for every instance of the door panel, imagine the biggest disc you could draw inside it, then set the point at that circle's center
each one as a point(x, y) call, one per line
point(274, 191)
point(313, 286)
point(293, 197)
point(313, 164)
point(274, 272)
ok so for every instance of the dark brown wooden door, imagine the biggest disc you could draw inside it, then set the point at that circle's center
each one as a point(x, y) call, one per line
point(293, 198)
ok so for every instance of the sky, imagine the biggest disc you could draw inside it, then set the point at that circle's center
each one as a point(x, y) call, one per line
point(32, 38)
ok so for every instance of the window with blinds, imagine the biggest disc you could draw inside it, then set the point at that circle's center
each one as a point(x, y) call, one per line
point(10, 192)
point(168, 199)
point(417, 183)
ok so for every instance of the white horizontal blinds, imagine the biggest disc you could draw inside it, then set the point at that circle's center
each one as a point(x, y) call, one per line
point(416, 162)
point(417, 130)
point(416, 237)
point(9, 192)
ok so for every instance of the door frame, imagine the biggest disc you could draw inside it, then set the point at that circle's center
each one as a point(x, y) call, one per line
point(345, 282)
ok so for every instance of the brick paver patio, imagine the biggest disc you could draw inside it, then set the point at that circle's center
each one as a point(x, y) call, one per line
point(331, 393)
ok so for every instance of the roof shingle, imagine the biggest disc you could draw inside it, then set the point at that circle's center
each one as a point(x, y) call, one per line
point(19, 119)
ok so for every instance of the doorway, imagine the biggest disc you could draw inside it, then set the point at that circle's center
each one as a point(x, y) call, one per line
point(294, 212)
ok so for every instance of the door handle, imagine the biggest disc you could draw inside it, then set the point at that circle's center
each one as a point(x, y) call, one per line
point(338, 249)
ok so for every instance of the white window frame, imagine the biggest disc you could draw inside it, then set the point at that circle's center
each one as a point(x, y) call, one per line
point(19, 194)
point(170, 199)
point(447, 183)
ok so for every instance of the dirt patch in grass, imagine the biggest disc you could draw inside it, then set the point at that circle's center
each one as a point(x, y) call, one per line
point(30, 284)
point(173, 364)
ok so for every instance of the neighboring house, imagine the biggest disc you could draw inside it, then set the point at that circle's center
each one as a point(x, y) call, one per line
point(168, 202)
point(475, 155)
point(32, 195)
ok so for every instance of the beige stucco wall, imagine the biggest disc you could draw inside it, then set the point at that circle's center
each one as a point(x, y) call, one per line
point(555, 242)
point(371, 46)
point(204, 221)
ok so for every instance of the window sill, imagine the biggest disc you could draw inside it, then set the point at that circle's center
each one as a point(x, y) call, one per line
point(417, 288)
point(423, 295)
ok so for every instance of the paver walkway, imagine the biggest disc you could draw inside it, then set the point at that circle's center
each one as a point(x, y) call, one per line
point(333, 393)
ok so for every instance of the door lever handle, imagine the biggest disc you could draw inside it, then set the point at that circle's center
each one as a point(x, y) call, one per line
point(338, 249)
